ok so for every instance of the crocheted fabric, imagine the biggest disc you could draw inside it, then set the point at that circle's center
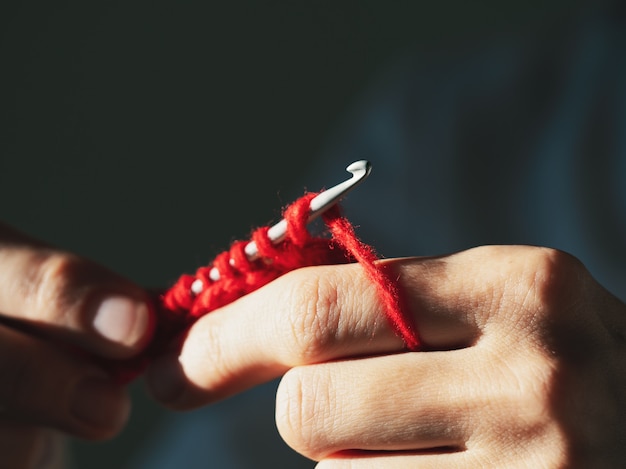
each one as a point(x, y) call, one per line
point(179, 307)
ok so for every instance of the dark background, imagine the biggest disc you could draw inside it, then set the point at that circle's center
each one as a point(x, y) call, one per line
point(147, 135)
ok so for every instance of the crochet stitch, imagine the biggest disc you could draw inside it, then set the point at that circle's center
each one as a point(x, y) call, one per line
point(179, 307)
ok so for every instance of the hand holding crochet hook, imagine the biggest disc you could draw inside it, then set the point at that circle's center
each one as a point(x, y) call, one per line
point(57, 312)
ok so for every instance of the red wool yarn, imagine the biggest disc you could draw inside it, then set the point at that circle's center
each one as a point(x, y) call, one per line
point(179, 307)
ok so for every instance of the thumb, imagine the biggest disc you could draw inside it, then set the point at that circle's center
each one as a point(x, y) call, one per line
point(61, 296)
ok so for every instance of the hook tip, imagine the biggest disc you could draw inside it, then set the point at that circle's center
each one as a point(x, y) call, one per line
point(361, 166)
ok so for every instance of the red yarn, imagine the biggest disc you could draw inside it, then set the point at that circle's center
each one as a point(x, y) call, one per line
point(179, 307)
point(387, 288)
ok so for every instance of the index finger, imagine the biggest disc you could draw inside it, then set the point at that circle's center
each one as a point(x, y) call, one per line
point(308, 316)
point(58, 295)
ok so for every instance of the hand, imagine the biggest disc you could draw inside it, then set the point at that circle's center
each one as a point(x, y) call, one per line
point(524, 366)
point(56, 312)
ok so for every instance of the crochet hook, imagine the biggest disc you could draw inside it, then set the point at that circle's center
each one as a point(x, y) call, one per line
point(318, 205)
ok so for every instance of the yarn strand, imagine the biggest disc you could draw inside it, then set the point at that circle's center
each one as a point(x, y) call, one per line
point(387, 289)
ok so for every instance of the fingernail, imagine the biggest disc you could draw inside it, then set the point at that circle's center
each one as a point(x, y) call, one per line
point(100, 403)
point(165, 379)
point(121, 319)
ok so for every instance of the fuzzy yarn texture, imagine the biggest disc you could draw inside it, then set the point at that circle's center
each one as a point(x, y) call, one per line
point(179, 307)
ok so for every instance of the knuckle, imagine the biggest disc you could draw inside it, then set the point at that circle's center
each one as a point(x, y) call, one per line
point(53, 285)
point(546, 280)
point(312, 316)
point(304, 406)
point(545, 296)
point(533, 391)
point(526, 384)
point(553, 270)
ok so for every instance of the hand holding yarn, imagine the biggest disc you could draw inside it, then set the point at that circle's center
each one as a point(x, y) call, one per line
point(522, 363)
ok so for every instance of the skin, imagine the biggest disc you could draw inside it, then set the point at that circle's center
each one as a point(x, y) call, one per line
point(523, 360)
point(58, 315)
point(523, 364)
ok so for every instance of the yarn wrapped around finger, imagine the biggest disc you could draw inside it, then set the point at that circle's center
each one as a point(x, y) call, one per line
point(180, 306)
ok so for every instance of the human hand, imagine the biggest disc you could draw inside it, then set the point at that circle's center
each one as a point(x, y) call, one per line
point(56, 311)
point(524, 363)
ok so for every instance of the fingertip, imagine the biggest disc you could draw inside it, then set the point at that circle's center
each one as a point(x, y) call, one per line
point(100, 407)
point(166, 382)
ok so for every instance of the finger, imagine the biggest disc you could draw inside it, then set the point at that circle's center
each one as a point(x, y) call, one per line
point(331, 312)
point(452, 401)
point(43, 385)
point(307, 316)
point(374, 404)
point(63, 296)
point(30, 447)
point(21, 445)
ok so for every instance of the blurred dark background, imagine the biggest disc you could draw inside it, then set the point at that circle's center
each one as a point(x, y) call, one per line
point(147, 135)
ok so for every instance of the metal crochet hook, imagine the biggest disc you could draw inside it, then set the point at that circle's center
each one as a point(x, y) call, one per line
point(318, 205)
